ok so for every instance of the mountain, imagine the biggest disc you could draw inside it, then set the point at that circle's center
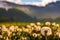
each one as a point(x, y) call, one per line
point(51, 10)
point(14, 15)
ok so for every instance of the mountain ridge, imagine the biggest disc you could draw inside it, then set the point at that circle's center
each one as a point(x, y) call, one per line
point(39, 12)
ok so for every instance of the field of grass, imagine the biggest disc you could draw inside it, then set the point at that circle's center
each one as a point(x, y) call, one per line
point(19, 23)
point(14, 23)
point(30, 31)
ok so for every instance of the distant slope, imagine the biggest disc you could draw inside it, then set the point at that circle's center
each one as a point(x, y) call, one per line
point(52, 10)
point(14, 15)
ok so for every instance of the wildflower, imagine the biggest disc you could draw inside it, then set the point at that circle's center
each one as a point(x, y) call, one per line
point(14, 34)
point(46, 31)
point(34, 35)
point(25, 38)
point(32, 28)
point(57, 25)
point(4, 28)
point(9, 33)
point(12, 28)
point(32, 24)
point(25, 30)
point(38, 28)
point(30, 31)
point(28, 26)
point(53, 23)
point(7, 38)
point(1, 36)
point(38, 35)
point(0, 28)
point(20, 29)
point(48, 23)
point(35, 25)
point(38, 23)
point(58, 29)
point(58, 34)
point(16, 27)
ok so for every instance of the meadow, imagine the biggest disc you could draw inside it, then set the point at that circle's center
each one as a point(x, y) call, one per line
point(19, 22)
point(30, 31)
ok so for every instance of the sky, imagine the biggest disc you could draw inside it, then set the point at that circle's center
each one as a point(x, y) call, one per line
point(32, 2)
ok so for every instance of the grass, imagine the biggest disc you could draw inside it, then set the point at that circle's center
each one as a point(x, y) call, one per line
point(14, 23)
point(17, 23)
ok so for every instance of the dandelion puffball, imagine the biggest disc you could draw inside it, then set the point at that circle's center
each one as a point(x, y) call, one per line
point(34, 35)
point(53, 23)
point(32, 24)
point(58, 34)
point(12, 28)
point(48, 23)
point(38, 23)
point(47, 30)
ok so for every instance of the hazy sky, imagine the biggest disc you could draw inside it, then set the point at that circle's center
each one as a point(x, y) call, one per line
point(33, 2)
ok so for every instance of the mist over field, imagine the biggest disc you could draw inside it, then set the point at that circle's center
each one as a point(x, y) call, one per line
point(10, 11)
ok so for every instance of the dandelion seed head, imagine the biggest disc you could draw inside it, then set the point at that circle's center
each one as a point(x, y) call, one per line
point(48, 29)
point(47, 23)
point(12, 28)
point(32, 24)
point(28, 26)
point(53, 23)
point(4, 28)
point(57, 25)
point(38, 23)
point(34, 35)
point(58, 34)
point(38, 28)
point(1, 36)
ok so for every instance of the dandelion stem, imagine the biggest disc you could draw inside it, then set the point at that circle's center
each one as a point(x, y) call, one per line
point(58, 38)
point(45, 37)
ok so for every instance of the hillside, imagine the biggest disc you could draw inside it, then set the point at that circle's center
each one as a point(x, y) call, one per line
point(14, 15)
point(51, 10)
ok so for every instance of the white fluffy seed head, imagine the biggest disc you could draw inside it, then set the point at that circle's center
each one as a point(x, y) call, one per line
point(58, 34)
point(12, 28)
point(7, 38)
point(1, 36)
point(38, 28)
point(16, 27)
point(57, 25)
point(28, 26)
point(53, 23)
point(26, 30)
point(38, 23)
point(9, 33)
point(25, 38)
point(34, 35)
point(47, 29)
point(4, 28)
point(32, 24)
point(47, 23)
